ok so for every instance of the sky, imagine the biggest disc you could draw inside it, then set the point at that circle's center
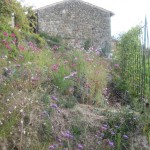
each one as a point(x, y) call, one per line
point(128, 13)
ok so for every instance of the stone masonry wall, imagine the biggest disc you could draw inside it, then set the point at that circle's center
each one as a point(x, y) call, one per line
point(76, 21)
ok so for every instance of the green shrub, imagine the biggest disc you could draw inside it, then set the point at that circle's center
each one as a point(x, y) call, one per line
point(52, 40)
point(67, 102)
point(36, 39)
point(130, 66)
point(87, 44)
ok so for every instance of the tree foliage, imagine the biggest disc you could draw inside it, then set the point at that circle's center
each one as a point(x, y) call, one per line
point(22, 17)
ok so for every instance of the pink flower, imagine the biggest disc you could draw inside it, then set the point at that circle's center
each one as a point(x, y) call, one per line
point(5, 34)
point(21, 48)
point(75, 58)
point(17, 26)
point(13, 35)
point(55, 67)
point(97, 53)
point(3, 41)
point(73, 65)
point(7, 46)
point(55, 47)
point(15, 41)
point(30, 44)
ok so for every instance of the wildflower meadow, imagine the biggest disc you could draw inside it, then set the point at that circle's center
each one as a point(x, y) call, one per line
point(56, 97)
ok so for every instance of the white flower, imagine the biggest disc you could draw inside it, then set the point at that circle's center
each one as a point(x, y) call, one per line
point(9, 112)
point(21, 121)
point(6, 68)
point(29, 63)
point(67, 77)
point(1, 123)
point(24, 132)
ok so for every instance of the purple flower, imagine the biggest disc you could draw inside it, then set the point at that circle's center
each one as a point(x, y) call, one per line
point(101, 135)
point(96, 136)
point(116, 65)
point(117, 126)
point(54, 98)
point(58, 139)
point(56, 145)
point(54, 105)
point(44, 112)
point(80, 146)
point(98, 143)
point(58, 111)
point(52, 147)
point(105, 125)
point(125, 137)
point(105, 92)
point(67, 134)
point(104, 128)
point(112, 133)
point(111, 144)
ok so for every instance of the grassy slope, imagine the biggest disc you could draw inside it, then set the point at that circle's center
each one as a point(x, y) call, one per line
point(52, 97)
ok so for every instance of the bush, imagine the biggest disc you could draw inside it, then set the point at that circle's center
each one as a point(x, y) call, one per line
point(52, 40)
point(130, 66)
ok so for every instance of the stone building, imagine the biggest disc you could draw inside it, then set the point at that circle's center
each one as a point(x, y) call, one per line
point(77, 22)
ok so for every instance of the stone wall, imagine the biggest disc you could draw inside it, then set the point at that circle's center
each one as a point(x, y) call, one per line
point(76, 21)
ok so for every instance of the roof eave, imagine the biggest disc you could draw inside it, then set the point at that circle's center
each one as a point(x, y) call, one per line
point(111, 14)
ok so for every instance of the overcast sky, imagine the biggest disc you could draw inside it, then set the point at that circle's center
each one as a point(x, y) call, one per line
point(128, 13)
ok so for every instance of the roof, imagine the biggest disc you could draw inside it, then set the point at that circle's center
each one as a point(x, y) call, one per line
point(100, 8)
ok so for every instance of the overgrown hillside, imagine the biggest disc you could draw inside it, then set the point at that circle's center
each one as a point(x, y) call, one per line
point(56, 97)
